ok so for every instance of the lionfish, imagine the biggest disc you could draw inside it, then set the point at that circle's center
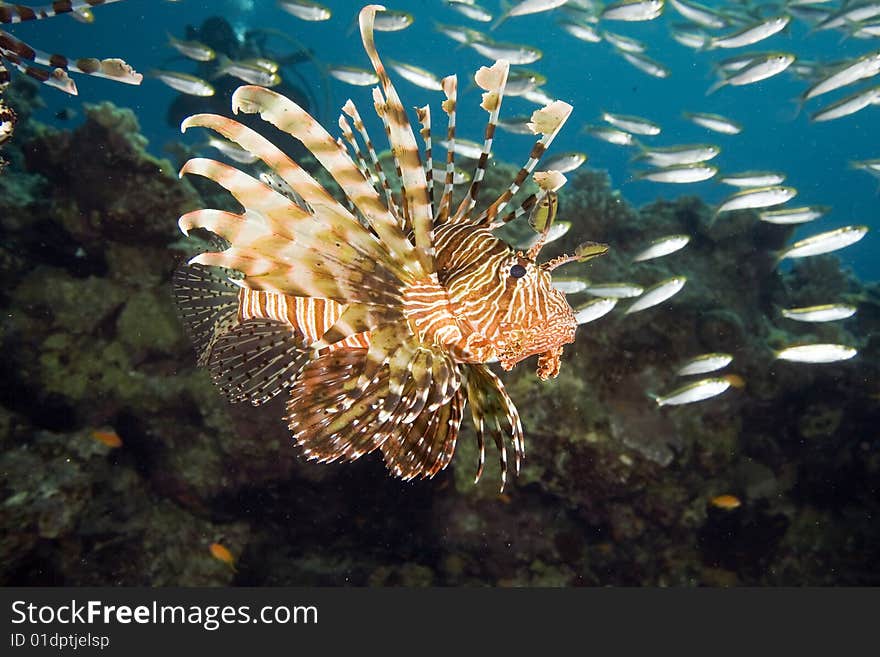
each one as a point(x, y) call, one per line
point(378, 318)
point(17, 54)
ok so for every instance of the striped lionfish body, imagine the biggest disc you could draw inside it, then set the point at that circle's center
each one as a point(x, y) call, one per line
point(377, 315)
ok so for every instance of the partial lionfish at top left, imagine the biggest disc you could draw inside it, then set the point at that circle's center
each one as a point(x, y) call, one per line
point(47, 68)
point(378, 314)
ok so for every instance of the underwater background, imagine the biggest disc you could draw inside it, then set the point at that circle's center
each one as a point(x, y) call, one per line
point(122, 464)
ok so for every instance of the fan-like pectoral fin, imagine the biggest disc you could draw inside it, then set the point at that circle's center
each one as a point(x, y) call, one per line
point(494, 414)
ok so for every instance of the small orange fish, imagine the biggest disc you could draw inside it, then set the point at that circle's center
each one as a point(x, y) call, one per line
point(221, 553)
point(109, 438)
point(726, 502)
point(735, 380)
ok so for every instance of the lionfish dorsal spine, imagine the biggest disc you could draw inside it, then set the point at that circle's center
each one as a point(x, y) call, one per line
point(547, 122)
point(403, 144)
point(449, 85)
point(492, 80)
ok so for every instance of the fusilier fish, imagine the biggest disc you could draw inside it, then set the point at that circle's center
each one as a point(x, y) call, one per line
point(359, 77)
point(615, 290)
point(564, 162)
point(826, 242)
point(830, 312)
point(385, 327)
point(759, 197)
point(392, 21)
point(705, 363)
point(253, 72)
point(184, 82)
point(513, 52)
point(760, 68)
point(816, 353)
point(570, 285)
point(680, 173)
point(694, 392)
point(753, 179)
point(418, 76)
point(594, 309)
point(527, 7)
point(676, 155)
point(305, 10)
point(582, 31)
point(633, 10)
point(611, 135)
point(714, 122)
point(633, 124)
point(193, 49)
point(860, 68)
point(662, 246)
point(624, 43)
point(464, 147)
point(656, 295)
point(645, 64)
point(751, 34)
point(799, 215)
point(557, 230)
point(699, 14)
point(849, 105)
point(232, 150)
point(470, 9)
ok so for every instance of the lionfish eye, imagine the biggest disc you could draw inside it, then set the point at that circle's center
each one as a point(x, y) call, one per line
point(517, 271)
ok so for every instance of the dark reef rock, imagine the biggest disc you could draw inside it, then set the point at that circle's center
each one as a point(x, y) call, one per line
point(614, 490)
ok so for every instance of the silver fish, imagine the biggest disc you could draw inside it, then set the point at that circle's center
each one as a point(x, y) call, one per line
point(753, 179)
point(705, 363)
point(760, 68)
point(830, 312)
point(581, 31)
point(513, 52)
point(615, 290)
point(714, 122)
point(863, 67)
point(464, 147)
point(569, 285)
point(305, 10)
point(658, 294)
point(634, 124)
point(849, 105)
point(681, 154)
point(696, 13)
point(594, 309)
point(418, 76)
point(645, 64)
point(794, 215)
point(359, 77)
point(470, 9)
point(611, 135)
point(817, 353)
point(680, 173)
point(661, 247)
point(557, 230)
point(192, 49)
point(624, 43)
point(564, 162)
point(389, 20)
point(250, 72)
point(694, 392)
point(184, 83)
point(752, 33)
point(826, 242)
point(232, 150)
point(633, 10)
point(759, 197)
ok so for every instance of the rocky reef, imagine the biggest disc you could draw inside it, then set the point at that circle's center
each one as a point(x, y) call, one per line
point(614, 490)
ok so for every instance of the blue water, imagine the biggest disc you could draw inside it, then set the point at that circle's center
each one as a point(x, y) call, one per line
point(589, 76)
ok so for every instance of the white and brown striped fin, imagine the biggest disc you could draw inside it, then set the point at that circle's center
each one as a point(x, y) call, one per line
point(208, 304)
point(403, 144)
point(351, 110)
point(547, 122)
point(450, 89)
point(492, 80)
point(286, 115)
point(257, 359)
point(323, 423)
point(56, 78)
point(13, 13)
point(494, 414)
point(112, 69)
point(424, 114)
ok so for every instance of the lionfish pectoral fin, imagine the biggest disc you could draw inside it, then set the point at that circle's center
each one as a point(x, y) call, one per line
point(358, 318)
point(257, 359)
point(493, 413)
point(325, 419)
point(207, 302)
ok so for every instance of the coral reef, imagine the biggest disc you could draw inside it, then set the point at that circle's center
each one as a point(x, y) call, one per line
point(614, 490)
